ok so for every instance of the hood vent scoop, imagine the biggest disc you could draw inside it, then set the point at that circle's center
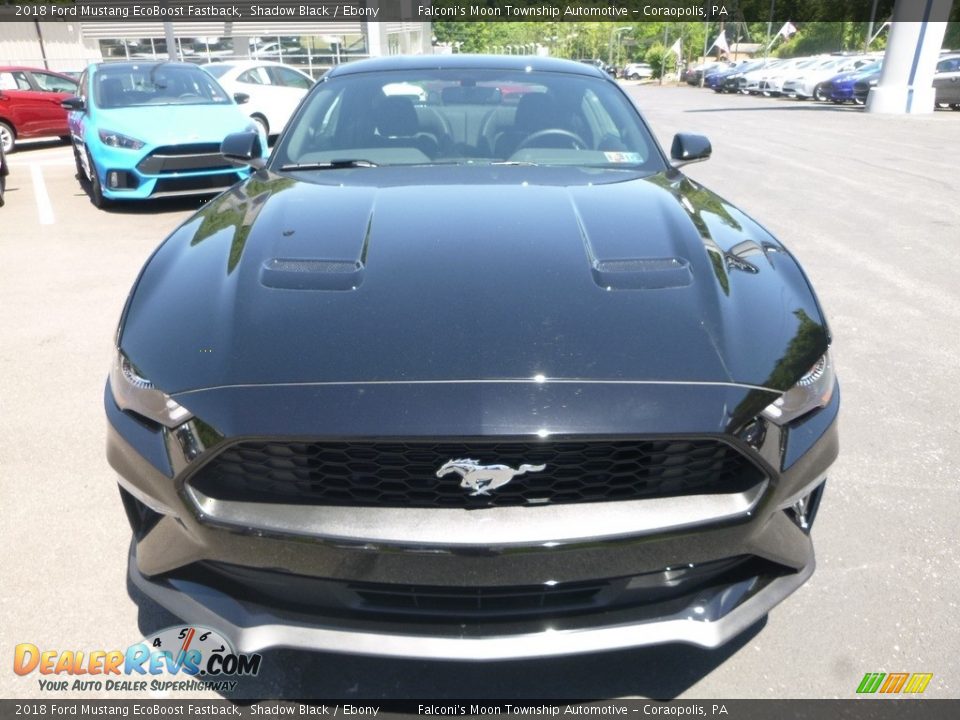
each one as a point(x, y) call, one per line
point(291, 274)
point(642, 273)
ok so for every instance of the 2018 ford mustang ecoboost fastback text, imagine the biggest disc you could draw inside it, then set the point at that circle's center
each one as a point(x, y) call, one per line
point(468, 369)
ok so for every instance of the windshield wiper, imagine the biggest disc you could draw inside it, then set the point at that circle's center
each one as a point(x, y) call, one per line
point(329, 165)
point(521, 163)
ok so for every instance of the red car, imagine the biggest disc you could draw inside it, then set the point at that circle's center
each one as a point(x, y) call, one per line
point(30, 104)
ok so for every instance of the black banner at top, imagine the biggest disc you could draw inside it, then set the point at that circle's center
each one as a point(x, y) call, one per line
point(878, 709)
point(619, 11)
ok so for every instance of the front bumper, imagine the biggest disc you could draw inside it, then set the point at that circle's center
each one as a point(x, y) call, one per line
point(306, 580)
point(134, 175)
point(840, 93)
point(798, 88)
point(709, 621)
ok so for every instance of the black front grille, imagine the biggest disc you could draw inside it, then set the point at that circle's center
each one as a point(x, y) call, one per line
point(404, 474)
point(658, 593)
point(565, 597)
point(183, 158)
point(197, 183)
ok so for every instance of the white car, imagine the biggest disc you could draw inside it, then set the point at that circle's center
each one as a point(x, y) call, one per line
point(751, 79)
point(771, 81)
point(637, 71)
point(275, 89)
point(809, 82)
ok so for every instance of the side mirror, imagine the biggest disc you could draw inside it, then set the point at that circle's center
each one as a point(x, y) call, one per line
point(689, 148)
point(241, 98)
point(243, 149)
point(73, 103)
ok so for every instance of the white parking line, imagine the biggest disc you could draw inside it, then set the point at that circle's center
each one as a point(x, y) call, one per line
point(44, 208)
point(42, 163)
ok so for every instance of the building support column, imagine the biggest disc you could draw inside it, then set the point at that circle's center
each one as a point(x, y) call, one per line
point(906, 84)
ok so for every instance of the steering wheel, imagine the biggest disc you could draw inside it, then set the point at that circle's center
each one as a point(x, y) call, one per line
point(577, 141)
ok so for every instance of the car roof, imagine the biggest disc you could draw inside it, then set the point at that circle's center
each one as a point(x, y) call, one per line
point(16, 68)
point(123, 66)
point(465, 61)
point(246, 64)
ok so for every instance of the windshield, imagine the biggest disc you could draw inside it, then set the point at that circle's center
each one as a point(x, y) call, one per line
point(468, 116)
point(217, 69)
point(119, 86)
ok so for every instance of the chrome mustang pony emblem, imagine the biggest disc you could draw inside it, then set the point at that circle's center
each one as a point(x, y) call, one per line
point(484, 478)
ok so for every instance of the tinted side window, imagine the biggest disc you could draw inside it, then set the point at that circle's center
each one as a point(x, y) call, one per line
point(53, 83)
point(252, 77)
point(288, 78)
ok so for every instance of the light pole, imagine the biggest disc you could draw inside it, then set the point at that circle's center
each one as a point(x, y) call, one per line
point(615, 33)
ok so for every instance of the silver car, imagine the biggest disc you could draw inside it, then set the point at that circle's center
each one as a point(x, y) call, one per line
point(947, 82)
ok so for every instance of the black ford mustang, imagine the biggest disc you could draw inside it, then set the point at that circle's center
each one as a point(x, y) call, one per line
point(468, 369)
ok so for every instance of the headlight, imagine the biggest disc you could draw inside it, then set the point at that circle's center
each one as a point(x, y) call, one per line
point(115, 139)
point(812, 391)
point(133, 392)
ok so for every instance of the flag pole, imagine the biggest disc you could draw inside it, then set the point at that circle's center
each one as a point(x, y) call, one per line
point(873, 17)
point(706, 39)
point(663, 60)
point(769, 29)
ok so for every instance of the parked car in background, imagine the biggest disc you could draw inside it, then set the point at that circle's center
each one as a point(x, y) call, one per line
point(718, 81)
point(863, 84)
point(694, 74)
point(144, 130)
point(840, 88)
point(718, 69)
point(750, 83)
point(637, 71)
point(30, 104)
point(771, 84)
point(4, 171)
point(274, 89)
point(809, 83)
point(280, 49)
point(601, 65)
point(736, 80)
point(947, 82)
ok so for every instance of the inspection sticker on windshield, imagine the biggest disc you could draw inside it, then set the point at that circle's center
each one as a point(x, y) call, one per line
point(622, 157)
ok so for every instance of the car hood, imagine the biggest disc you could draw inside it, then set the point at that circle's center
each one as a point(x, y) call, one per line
point(851, 75)
point(175, 124)
point(813, 75)
point(452, 274)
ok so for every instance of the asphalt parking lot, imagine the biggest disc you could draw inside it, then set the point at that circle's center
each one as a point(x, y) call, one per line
point(871, 206)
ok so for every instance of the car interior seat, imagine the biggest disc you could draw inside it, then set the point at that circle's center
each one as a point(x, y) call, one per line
point(397, 125)
point(535, 112)
point(111, 92)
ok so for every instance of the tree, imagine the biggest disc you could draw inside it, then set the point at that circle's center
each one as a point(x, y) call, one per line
point(660, 59)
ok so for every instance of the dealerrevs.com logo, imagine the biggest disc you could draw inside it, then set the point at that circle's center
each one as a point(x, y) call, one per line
point(175, 659)
point(894, 683)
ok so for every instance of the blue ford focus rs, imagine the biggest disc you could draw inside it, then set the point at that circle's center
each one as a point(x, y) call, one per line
point(146, 130)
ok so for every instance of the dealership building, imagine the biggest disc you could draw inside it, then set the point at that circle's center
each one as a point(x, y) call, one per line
point(315, 46)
